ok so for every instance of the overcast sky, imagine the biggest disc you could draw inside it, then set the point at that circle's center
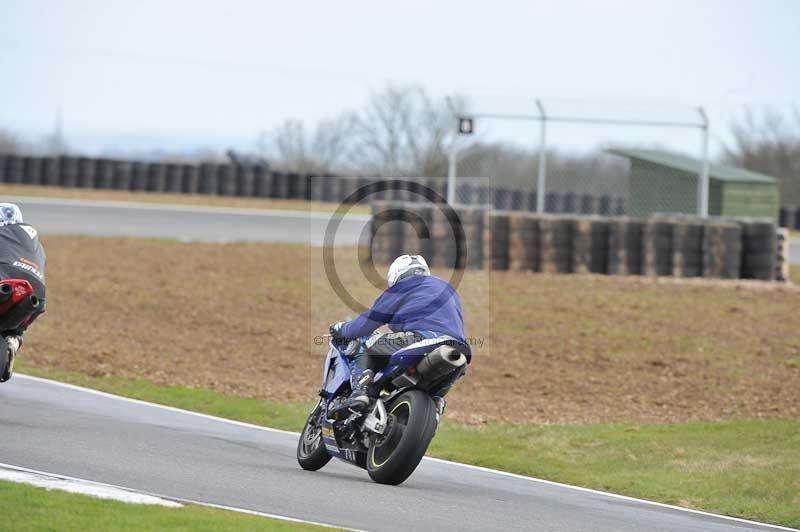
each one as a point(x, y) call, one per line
point(188, 74)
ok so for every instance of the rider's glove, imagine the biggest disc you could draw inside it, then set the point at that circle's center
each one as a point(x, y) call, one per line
point(336, 329)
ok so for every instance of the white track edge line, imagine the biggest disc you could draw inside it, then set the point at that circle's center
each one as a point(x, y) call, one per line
point(148, 403)
point(203, 209)
point(88, 488)
point(432, 459)
point(179, 499)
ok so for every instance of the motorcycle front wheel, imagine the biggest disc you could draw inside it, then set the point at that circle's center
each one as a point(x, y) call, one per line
point(311, 452)
point(395, 454)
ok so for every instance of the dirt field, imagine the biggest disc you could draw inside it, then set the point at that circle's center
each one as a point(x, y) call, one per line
point(242, 318)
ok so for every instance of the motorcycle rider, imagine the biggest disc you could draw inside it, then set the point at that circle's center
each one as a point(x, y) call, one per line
point(21, 257)
point(416, 306)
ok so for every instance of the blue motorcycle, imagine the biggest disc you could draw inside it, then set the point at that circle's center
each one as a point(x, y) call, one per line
point(391, 435)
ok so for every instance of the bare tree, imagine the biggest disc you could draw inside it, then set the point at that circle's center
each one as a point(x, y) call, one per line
point(323, 150)
point(769, 143)
point(401, 132)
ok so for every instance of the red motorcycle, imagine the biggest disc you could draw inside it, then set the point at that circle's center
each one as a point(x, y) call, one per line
point(18, 305)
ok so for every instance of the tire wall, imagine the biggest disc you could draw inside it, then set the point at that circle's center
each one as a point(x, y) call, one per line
point(625, 246)
point(32, 171)
point(557, 244)
point(472, 223)
point(156, 177)
point(512, 238)
point(496, 229)
point(247, 180)
point(190, 179)
point(590, 245)
point(759, 249)
point(226, 180)
point(789, 217)
point(387, 231)
point(123, 174)
point(526, 242)
point(417, 230)
point(657, 246)
point(86, 170)
point(174, 179)
point(722, 250)
point(50, 171)
point(262, 186)
point(448, 249)
point(687, 248)
point(14, 169)
point(347, 190)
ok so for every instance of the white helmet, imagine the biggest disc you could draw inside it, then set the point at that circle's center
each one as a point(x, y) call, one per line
point(10, 214)
point(405, 266)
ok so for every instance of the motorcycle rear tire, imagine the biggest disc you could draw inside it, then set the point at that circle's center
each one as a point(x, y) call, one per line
point(416, 411)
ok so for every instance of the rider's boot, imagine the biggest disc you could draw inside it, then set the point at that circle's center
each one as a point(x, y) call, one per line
point(440, 404)
point(359, 398)
point(12, 345)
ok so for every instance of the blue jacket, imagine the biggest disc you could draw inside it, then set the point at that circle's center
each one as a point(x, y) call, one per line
point(418, 303)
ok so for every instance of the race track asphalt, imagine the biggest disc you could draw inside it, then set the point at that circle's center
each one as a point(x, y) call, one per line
point(69, 431)
point(185, 222)
point(196, 223)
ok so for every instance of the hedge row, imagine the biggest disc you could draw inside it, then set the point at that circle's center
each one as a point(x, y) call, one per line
point(503, 240)
point(258, 181)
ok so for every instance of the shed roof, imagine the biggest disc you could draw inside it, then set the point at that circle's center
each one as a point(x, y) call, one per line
point(694, 166)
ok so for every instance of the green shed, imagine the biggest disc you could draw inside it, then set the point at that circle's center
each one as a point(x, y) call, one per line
point(661, 181)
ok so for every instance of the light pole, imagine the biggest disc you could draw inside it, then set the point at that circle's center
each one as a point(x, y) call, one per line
point(541, 177)
point(464, 126)
point(451, 175)
point(702, 183)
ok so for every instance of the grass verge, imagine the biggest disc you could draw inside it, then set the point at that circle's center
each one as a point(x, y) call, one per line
point(746, 468)
point(179, 199)
point(28, 508)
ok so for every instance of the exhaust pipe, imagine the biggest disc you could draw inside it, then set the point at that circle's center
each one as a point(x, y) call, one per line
point(19, 313)
point(440, 362)
point(6, 291)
